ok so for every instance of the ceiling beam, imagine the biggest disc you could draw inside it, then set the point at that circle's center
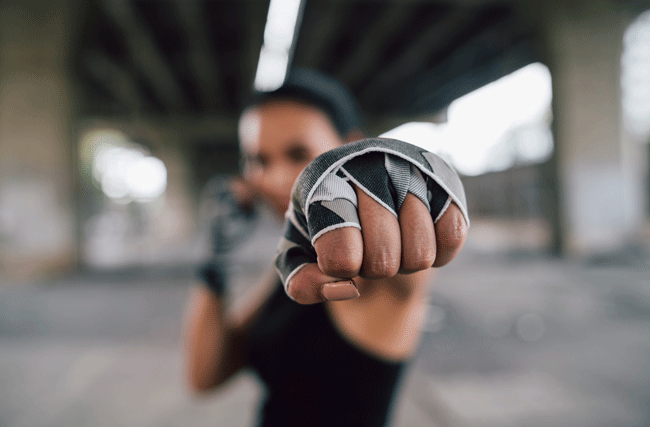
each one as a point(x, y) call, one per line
point(367, 51)
point(144, 54)
point(220, 129)
point(413, 59)
point(204, 68)
point(485, 66)
point(315, 37)
point(255, 20)
point(114, 78)
point(181, 130)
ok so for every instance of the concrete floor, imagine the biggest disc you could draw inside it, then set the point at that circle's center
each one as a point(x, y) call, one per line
point(510, 341)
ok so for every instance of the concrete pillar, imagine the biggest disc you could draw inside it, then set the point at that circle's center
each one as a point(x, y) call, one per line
point(37, 226)
point(601, 172)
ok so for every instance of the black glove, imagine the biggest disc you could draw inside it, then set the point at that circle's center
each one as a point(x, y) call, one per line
point(231, 223)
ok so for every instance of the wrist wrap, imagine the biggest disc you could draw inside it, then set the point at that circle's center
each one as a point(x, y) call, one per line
point(323, 200)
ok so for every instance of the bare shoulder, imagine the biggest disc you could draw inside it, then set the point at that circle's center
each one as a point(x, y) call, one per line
point(387, 318)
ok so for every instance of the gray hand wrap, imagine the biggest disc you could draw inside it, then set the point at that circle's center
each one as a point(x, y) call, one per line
point(323, 200)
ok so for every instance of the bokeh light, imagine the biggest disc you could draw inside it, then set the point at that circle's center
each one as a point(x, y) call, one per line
point(123, 169)
point(146, 179)
point(493, 128)
point(635, 77)
point(279, 33)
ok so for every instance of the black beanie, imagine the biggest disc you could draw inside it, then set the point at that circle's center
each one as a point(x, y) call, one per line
point(321, 91)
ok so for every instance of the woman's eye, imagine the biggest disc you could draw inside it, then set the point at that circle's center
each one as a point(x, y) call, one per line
point(259, 161)
point(298, 155)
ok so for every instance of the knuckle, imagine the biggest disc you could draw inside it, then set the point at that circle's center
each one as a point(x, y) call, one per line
point(299, 292)
point(340, 252)
point(342, 263)
point(382, 267)
point(455, 233)
point(420, 261)
point(419, 250)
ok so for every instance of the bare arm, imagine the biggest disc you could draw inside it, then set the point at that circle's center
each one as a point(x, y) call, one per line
point(215, 336)
point(387, 316)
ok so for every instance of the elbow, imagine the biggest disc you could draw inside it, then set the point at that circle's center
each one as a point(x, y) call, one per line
point(198, 387)
point(198, 383)
point(195, 386)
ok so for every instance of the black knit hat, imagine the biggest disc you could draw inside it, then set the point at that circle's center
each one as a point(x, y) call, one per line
point(321, 91)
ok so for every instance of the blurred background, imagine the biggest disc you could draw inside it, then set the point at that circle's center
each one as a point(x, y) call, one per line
point(115, 117)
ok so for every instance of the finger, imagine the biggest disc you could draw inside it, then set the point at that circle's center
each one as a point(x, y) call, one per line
point(451, 232)
point(310, 286)
point(340, 252)
point(382, 246)
point(418, 237)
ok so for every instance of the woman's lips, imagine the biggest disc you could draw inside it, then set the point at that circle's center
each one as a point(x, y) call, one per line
point(280, 204)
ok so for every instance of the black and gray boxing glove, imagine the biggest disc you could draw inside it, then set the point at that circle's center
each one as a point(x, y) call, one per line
point(231, 223)
point(386, 169)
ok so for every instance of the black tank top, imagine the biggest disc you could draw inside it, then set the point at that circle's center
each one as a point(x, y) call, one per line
point(313, 375)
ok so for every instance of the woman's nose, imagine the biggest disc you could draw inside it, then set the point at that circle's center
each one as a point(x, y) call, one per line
point(280, 179)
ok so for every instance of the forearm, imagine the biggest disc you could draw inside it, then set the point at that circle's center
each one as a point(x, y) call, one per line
point(387, 318)
point(215, 336)
point(209, 342)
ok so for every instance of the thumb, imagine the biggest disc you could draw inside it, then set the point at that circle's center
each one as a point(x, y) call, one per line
point(309, 285)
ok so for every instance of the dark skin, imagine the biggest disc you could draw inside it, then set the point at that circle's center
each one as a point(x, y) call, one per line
point(389, 260)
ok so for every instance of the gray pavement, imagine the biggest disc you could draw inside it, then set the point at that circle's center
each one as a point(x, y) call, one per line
point(510, 341)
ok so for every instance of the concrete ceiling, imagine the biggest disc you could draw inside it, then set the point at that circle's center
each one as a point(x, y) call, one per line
point(197, 58)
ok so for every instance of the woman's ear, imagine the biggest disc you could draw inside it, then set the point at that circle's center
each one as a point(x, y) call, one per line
point(354, 134)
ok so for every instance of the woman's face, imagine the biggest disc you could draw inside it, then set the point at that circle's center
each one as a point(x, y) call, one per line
point(278, 140)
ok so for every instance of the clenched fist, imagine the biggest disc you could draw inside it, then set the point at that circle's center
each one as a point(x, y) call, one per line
point(373, 208)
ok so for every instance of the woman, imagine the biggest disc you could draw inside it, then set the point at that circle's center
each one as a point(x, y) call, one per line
point(331, 351)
